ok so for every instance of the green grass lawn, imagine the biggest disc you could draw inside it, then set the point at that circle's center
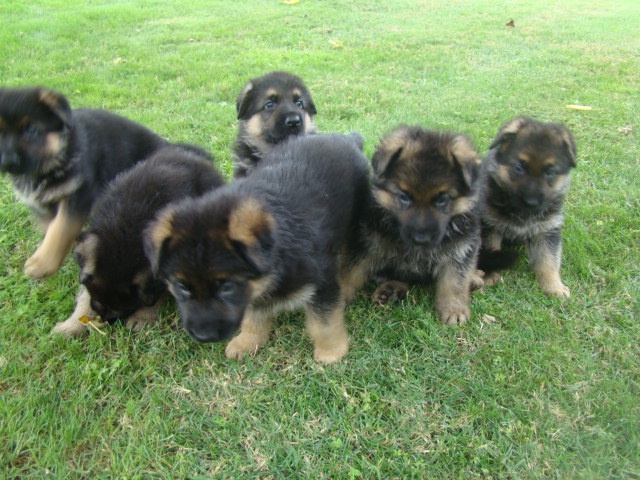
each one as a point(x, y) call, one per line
point(547, 390)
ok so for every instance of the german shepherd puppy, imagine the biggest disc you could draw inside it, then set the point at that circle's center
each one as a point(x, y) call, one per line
point(116, 277)
point(424, 222)
point(61, 160)
point(265, 243)
point(529, 165)
point(271, 109)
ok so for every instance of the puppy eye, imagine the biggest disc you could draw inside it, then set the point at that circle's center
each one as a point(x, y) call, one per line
point(269, 105)
point(518, 168)
point(31, 131)
point(550, 172)
point(442, 201)
point(227, 288)
point(404, 199)
point(299, 103)
point(181, 290)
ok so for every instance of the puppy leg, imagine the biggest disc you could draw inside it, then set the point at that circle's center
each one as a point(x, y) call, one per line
point(144, 317)
point(390, 291)
point(452, 295)
point(254, 333)
point(61, 233)
point(328, 334)
point(72, 326)
point(351, 280)
point(545, 255)
point(492, 241)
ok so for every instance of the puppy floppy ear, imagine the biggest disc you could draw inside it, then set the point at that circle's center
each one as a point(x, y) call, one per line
point(156, 237)
point(84, 254)
point(57, 103)
point(310, 107)
point(244, 100)
point(252, 233)
point(508, 132)
point(465, 157)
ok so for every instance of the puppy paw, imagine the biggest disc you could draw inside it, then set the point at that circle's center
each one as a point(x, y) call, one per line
point(240, 346)
point(72, 327)
point(141, 319)
point(41, 266)
point(476, 280)
point(492, 278)
point(332, 355)
point(560, 291)
point(391, 291)
point(454, 315)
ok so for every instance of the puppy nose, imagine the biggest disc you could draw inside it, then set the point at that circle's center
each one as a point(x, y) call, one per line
point(293, 121)
point(532, 200)
point(422, 237)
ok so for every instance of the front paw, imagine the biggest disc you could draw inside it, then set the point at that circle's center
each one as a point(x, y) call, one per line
point(241, 346)
point(453, 314)
point(41, 266)
point(391, 291)
point(70, 328)
point(492, 278)
point(141, 319)
point(560, 291)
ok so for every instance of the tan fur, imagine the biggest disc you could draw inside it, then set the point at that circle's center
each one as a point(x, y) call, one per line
point(86, 249)
point(248, 221)
point(72, 326)
point(143, 318)
point(162, 229)
point(546, 267)
point(61, 233)
point(329, 334)
point(254, 333)
point(452, 296)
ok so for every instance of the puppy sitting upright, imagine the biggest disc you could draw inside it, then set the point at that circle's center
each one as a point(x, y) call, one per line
point(271, 109)
point(265, 243)
point(115, 274)
point(425, 219)
point(60, 161)
point(530, 170)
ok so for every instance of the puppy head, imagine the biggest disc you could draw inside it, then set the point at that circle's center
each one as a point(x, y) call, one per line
point(274, 107)
point(423, 179)
point(216, 254)
point(117, 288)
point(533, 162)
point(34, 126)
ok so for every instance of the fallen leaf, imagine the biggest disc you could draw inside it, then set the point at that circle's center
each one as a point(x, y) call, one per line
point(290, 2)
point(511, 24)
point(626, 129)
point(579, 107)
point(489, 318)
point(336, 43)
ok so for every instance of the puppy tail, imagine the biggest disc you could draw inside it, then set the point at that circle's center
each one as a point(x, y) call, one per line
point(496, 260)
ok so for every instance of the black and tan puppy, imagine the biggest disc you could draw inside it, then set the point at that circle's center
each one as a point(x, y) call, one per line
point(60, 161)
point(270, 109)
point(529, 165)
point(116, 277)
point(265, 243)
point(425, 220)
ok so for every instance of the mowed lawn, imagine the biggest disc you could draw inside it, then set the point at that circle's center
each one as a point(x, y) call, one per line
point(530, 387)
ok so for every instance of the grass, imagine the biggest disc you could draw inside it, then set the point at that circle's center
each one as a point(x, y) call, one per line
point(547, 390)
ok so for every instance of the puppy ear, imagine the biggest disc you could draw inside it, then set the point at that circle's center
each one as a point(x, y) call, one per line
point(156, 236)
point(57, 103)
point(508, 132)
point(569, 144)
point(383, 159)
point(252, 233)
point(466, 158)
point(84, 254)
point(244, 100)
point(310, 106)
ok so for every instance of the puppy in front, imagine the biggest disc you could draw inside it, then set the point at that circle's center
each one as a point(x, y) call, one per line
point(424, 222)
point(116, 277)
point(61, 160)
point(530, 166)
point(269, 242)
point(270, 109)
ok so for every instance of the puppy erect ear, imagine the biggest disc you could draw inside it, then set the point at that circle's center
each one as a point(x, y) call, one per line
point(466, 158)
point(310, 107)
point(508, 132)
point(244, 100)
point(84, 254)
point(57, 103)
point(251, 231)
point(156, 236)
point(149, 287)
point(569, 144)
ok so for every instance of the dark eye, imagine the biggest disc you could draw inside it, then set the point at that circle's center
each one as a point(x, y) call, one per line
point(518, 168)
point(227, 288)
point(269, 105)
point(181, 290)
point(442, 201)
point(404, 199)
point(31, 131)
point(299, 103)
point(550, 172)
